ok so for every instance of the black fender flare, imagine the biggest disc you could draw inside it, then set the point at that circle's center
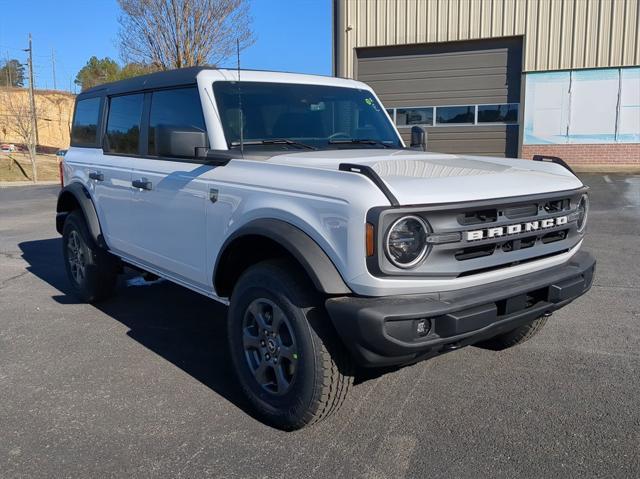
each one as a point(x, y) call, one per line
point(315, 262)
point(76, 191)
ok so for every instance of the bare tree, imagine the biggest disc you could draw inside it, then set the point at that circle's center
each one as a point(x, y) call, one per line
point(182, 33)
point(17, 119)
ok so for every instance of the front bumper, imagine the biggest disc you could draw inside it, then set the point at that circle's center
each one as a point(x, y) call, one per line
point(382, 331)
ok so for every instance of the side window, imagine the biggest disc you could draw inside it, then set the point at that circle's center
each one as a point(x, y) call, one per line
point(177, 109)
point(84, 131)
point(123, 124)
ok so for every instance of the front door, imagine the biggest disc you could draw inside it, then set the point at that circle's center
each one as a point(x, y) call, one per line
point(169, 194)
point(168, 207)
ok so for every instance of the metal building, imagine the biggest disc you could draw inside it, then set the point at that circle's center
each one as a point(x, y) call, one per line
point(502, 77)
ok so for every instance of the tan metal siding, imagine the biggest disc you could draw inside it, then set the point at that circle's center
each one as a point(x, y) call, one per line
point(558, 34)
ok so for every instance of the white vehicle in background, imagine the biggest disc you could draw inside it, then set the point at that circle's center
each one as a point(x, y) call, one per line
point(294, 199)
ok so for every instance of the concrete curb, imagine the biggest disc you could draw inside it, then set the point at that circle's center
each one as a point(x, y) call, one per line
point(9, 184)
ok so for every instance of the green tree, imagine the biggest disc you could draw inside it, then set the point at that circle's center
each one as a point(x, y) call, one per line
point(12, 74)
point(96, 72)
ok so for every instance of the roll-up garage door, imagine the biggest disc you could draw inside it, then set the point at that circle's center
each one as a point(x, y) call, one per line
point(467, 94)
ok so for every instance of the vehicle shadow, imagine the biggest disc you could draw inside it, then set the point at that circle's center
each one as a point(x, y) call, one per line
point(183, 327)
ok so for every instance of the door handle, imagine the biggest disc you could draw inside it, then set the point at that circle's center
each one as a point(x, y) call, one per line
point(142, 183)
point(96, 175)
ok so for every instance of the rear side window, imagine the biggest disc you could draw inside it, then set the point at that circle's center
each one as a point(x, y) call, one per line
point(84, 131)
point(123, 124)
point(177, 109)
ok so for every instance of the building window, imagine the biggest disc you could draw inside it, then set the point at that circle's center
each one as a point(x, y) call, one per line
point(629, 118)
point(414, 116)
point(461, 115)
point(123, 125)
point(582, 107)
point(455, 115)
point(507, 113)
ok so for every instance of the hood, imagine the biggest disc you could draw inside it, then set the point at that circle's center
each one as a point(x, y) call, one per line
point(416, 177)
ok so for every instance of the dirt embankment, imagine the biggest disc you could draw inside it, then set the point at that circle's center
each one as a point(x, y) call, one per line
point(54, 111)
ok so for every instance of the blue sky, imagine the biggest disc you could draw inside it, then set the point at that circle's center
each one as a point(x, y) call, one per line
point(291, 35)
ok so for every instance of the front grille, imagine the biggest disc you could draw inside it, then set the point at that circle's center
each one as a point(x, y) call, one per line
point(478, 217)
point(492, 235)
point(514, 263)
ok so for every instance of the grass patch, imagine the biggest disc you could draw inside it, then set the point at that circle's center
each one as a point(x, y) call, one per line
point(17, 167)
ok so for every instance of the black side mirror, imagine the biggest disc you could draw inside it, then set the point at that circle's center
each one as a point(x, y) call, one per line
point(184, 142)
point(418, 138)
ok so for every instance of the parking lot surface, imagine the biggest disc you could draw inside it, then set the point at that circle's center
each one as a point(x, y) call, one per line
point(141, 385)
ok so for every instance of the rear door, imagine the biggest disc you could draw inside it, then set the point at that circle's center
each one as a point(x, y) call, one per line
point(107, 175)
point(169, 194)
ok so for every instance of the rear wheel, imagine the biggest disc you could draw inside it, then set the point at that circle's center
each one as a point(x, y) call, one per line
point(91, 270)
point(515, 336)
point(288, 360)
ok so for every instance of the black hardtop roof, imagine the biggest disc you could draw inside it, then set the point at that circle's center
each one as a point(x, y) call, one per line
point(168, 78)
point(162, 79)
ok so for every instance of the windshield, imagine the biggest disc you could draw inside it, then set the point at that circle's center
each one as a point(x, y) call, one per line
point(296, 116)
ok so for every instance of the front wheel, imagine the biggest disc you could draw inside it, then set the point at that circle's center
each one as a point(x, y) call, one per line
point(289, 363)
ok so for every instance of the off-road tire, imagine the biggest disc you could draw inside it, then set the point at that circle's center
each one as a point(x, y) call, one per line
point(515, 336)
point(100, 271)
point(323, 368)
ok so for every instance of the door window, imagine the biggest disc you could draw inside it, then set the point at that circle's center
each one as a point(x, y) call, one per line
point(176, 109)
point(123, 124)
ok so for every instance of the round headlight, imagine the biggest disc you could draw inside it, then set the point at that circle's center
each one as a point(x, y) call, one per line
point(406, 244)
point(583, 213)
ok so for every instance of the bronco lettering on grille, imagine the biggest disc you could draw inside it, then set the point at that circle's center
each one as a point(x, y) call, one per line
point(527, 227)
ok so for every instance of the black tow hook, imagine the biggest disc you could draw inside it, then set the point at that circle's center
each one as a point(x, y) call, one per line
point(547, 314)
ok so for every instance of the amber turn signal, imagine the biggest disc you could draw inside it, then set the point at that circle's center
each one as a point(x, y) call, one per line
point(369, 239)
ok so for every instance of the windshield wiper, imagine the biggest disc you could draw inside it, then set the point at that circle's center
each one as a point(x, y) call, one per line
point(358, 141)
point(275, 141)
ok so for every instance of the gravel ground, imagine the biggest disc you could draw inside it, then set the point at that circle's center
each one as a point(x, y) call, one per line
point(141, 386)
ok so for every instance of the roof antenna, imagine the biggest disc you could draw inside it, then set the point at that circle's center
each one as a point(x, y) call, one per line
point(240, 101)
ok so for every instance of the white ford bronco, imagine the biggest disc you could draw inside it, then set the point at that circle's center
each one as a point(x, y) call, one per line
point(294, 200)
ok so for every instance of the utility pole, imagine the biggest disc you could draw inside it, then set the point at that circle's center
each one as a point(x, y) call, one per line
point(33, 140)
point(8, 70)
point(32, 101)
point(53, 67)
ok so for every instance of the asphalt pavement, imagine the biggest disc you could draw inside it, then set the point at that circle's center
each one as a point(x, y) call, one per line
point(141, 386)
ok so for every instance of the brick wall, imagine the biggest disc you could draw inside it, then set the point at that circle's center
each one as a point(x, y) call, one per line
point(591, 156)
